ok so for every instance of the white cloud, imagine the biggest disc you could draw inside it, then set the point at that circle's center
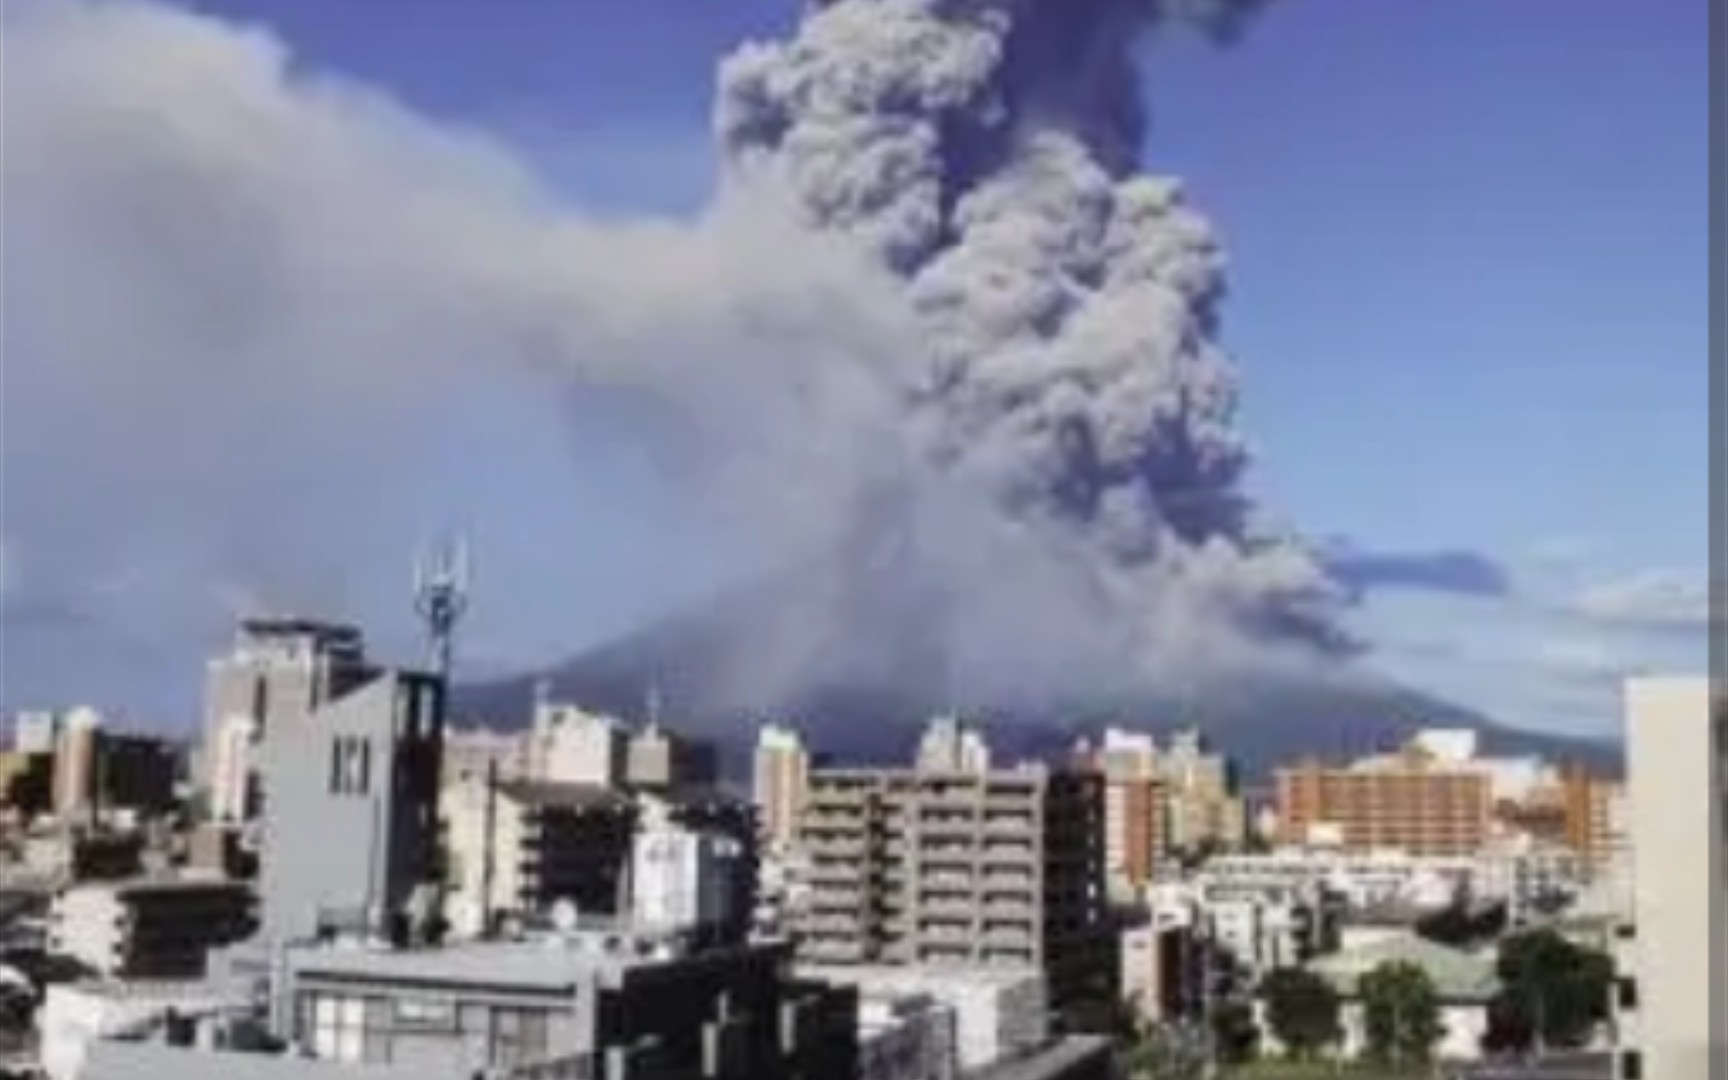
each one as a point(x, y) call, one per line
point(1654, 599)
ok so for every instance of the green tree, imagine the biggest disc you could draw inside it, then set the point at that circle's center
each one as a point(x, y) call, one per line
point(1162, 1054)
point(1551, 989)
point(1235, 1034)
point(1400, 1014)
point(1302, 1010)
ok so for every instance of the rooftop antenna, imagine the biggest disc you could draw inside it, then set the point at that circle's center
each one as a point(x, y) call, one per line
point(654, 705)
point(441, 597)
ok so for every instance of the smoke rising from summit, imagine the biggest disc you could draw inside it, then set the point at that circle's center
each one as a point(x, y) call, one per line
point(986, 152)
point(936, 340)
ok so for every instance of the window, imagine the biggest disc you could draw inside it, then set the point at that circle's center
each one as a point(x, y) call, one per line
point(1628, 988)
point(1631, 1065)
point(338, 1027)
point(350, 766)
point(518, 1036)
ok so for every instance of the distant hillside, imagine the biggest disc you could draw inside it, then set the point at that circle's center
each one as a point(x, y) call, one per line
point(869, 708)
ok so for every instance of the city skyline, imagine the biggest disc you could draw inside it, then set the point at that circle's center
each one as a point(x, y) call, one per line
point(1542, 559)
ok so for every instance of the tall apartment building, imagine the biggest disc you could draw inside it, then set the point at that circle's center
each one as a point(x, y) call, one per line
point(350, 827)
point(1674, 963)
point(277, 672)
point(992, 868)
point(1593, 830)
point(1410, 801)
point(780, 782)
point(1205, 804)
point(1136, 806)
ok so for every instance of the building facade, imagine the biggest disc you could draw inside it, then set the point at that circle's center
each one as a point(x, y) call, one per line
point(660, 759)
point(993, 868)
point(780, 781)
point(350, 827)
point(277, 672)
point(1411, 802)
point(569, 745)
point(1672, 955)
point(584, 1004)
point(148, 928)
point(515, 848)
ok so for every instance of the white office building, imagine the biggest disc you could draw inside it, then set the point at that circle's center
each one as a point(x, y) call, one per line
point(681, 878)
point(1672, 957)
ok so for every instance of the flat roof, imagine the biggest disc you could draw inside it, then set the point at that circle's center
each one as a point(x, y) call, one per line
point(924, 976)
point(553, 962)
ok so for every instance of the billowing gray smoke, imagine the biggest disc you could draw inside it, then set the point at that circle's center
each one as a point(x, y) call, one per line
point(985, 387)
point(986, 151)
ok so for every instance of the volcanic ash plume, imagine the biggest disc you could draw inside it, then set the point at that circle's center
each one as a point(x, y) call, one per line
point(985, 151)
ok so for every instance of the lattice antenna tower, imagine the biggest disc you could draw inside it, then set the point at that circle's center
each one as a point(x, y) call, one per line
point(441, 578)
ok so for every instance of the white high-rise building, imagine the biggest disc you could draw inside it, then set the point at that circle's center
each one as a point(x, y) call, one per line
point(781, 783)
point(1672, 961)
point(949, 744)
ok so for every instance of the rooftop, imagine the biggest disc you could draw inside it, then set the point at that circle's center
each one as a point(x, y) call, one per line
point(552, 962)
point(1458, 976)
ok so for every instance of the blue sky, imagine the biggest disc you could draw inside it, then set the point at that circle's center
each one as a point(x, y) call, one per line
point(1469, 293)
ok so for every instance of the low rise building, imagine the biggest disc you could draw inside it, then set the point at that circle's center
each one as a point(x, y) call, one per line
point(148, 928)
point(1464, 983)
point(998, 1015)
point(588, 1003)
point(517, 847)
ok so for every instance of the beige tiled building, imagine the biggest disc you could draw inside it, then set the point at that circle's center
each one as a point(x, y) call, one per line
point(1000, 867)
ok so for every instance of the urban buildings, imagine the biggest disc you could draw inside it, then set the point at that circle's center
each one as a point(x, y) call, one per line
point(659, 759)
point(951, 744)
point(148, 928)
point(1413, 801)
point(479, 752)
point(95, 769)
point(982, 1016)
point(569, 745)
point(974, 868)
point(687, 880)
point(1206, 810)
point(781, 782)
point(515, 848)
point(277, 672)
point(350, 829)
point(1136, 807)
point(1673, 957)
